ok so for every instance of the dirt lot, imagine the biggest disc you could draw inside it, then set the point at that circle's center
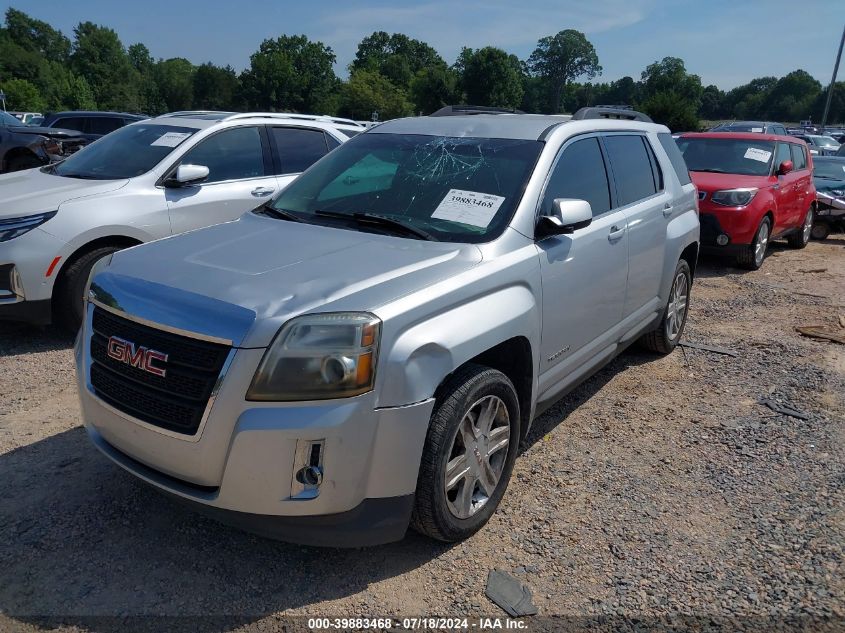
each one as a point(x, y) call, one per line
point(659, 487)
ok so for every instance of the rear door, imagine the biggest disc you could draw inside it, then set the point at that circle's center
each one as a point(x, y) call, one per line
point(583, 273)
point(240, 178)
point(641, 194)
point(295, 149)
point(786, 190)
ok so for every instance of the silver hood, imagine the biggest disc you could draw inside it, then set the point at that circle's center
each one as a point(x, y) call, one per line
point(32, 191)
point(241, 280)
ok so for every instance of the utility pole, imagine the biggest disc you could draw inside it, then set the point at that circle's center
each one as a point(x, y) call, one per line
point(3, 99)
point(832, 81)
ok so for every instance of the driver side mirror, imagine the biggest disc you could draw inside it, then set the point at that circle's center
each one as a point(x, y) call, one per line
point(785, 167)
point(187, 175)
point(568, 215)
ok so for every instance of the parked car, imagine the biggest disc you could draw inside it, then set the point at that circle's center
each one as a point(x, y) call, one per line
point(752, 188)
point(757, 127)
point(27, 118)
point(92, 125)
point(147, 180)
point(829, 179)
point(25, 146)
point(820, 145)
point(369, 349)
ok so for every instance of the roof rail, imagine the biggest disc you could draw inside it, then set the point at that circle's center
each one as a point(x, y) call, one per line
point(460, 110)
point(189, 112)
point(614, 112)
point(295, 116)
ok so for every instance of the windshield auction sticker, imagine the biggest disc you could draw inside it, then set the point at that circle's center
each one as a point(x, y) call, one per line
point(170, 139)
point(468, 207)
point(757, 154)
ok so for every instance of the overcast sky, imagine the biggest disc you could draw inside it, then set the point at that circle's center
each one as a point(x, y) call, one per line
point(726, 42)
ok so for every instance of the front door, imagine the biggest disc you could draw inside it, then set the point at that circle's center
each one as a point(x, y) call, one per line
point(584, 274)
point(239, 179)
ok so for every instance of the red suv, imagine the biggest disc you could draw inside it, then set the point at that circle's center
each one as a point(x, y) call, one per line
point(752, 188)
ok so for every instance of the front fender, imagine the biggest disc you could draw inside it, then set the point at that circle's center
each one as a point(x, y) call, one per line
point(424, 353)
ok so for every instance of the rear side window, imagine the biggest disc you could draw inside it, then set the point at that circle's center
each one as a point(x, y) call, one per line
point(779, 129)
point(103, 125)
point(298, 149)
point(631, 166)
point(675, 157)
point(580, 173)
point(799, 157)
point(233, 154)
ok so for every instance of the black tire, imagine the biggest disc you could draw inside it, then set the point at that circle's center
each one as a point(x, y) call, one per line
point(23, 161)
point(660, 340)
point(820, 230)
point(67, 297)
point(801, 238)
point(748, 258)
point(467, 387)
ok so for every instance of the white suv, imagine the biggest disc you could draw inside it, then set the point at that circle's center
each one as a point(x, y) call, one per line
point(152, 179)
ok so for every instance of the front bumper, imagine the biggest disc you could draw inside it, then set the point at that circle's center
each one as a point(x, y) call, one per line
point(25, 287)
point(241, 468)
point(739, 225)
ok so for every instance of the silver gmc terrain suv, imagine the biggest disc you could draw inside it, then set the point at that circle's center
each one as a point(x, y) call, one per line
point(367, 349)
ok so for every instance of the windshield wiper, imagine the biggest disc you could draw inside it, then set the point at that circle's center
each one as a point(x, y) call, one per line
point(383, 221)
point(279, 214)
point(711, 171)
point(81, 176)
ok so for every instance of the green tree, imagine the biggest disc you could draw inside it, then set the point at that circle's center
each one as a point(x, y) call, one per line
point(434, 87)
point(175, 81)
point(563, 58)
point(99, 56)
point(36, 36)
point(670, 75)
point(215, 88)
point(367, 91)
point(749, 101)
point(62, 89)
point(22, 95)
point(712, 103)
point(491, 77)
point(792, 97)
point(291, 73)
point(672, 110)
point(397, 57)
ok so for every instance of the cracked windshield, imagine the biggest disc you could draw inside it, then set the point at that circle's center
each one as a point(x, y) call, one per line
point(423, 187)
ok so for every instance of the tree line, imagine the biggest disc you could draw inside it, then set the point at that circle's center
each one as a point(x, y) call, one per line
point(41, 69)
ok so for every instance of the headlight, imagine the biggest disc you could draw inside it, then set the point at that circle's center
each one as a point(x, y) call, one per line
point(319, 356)
point(13, 227)
point(734, 197)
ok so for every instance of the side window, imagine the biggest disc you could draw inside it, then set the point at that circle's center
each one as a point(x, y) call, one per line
point(580, 173)
point(779, 129)
point(298, 149)
point(70, 123)
point(631, 168)
point(670, 146)
point(332, 142)
point(103, 124)
point(799, 157)
point(233, 154)
point(656, 172)
point(782, 153)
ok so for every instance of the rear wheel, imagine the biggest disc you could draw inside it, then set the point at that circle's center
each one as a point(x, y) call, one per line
point(752, 256)
point(665, 337)
point(67, 297)
point(23, 161)
point(801, 238)
point(468, 455)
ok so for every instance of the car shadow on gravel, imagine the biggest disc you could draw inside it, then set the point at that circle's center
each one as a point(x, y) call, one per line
point(17, 339)
point(82, 543)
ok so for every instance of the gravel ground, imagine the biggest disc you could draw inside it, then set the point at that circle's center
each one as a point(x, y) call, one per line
point(659, 489)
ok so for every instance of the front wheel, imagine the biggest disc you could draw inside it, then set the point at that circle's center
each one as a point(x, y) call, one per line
point(469, 454)
point(665, 337)
point(752, 256)
point(821, 230)
point(801, 238)
point(67, 297)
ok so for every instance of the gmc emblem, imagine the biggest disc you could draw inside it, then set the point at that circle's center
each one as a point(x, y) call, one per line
point(140, 357)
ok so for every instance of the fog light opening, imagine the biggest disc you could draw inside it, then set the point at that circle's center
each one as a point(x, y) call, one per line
point(307, 469)
point(722, 239)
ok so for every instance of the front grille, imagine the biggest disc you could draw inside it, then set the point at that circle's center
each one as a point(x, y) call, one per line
point(176, 401)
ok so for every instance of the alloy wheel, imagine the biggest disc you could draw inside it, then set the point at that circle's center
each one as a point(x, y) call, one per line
point(761, 243)
point(808, 225)
point(477, 456)
point(677, 308)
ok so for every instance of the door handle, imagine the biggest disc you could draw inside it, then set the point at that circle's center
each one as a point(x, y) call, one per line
point(262, 191)
point(615, 233)
point(667, 210)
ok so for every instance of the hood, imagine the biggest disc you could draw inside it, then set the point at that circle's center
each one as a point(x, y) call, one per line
point(53, 132)
point(33, 191)
point(827, 184)
point(275, 269)
point(706, 181)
